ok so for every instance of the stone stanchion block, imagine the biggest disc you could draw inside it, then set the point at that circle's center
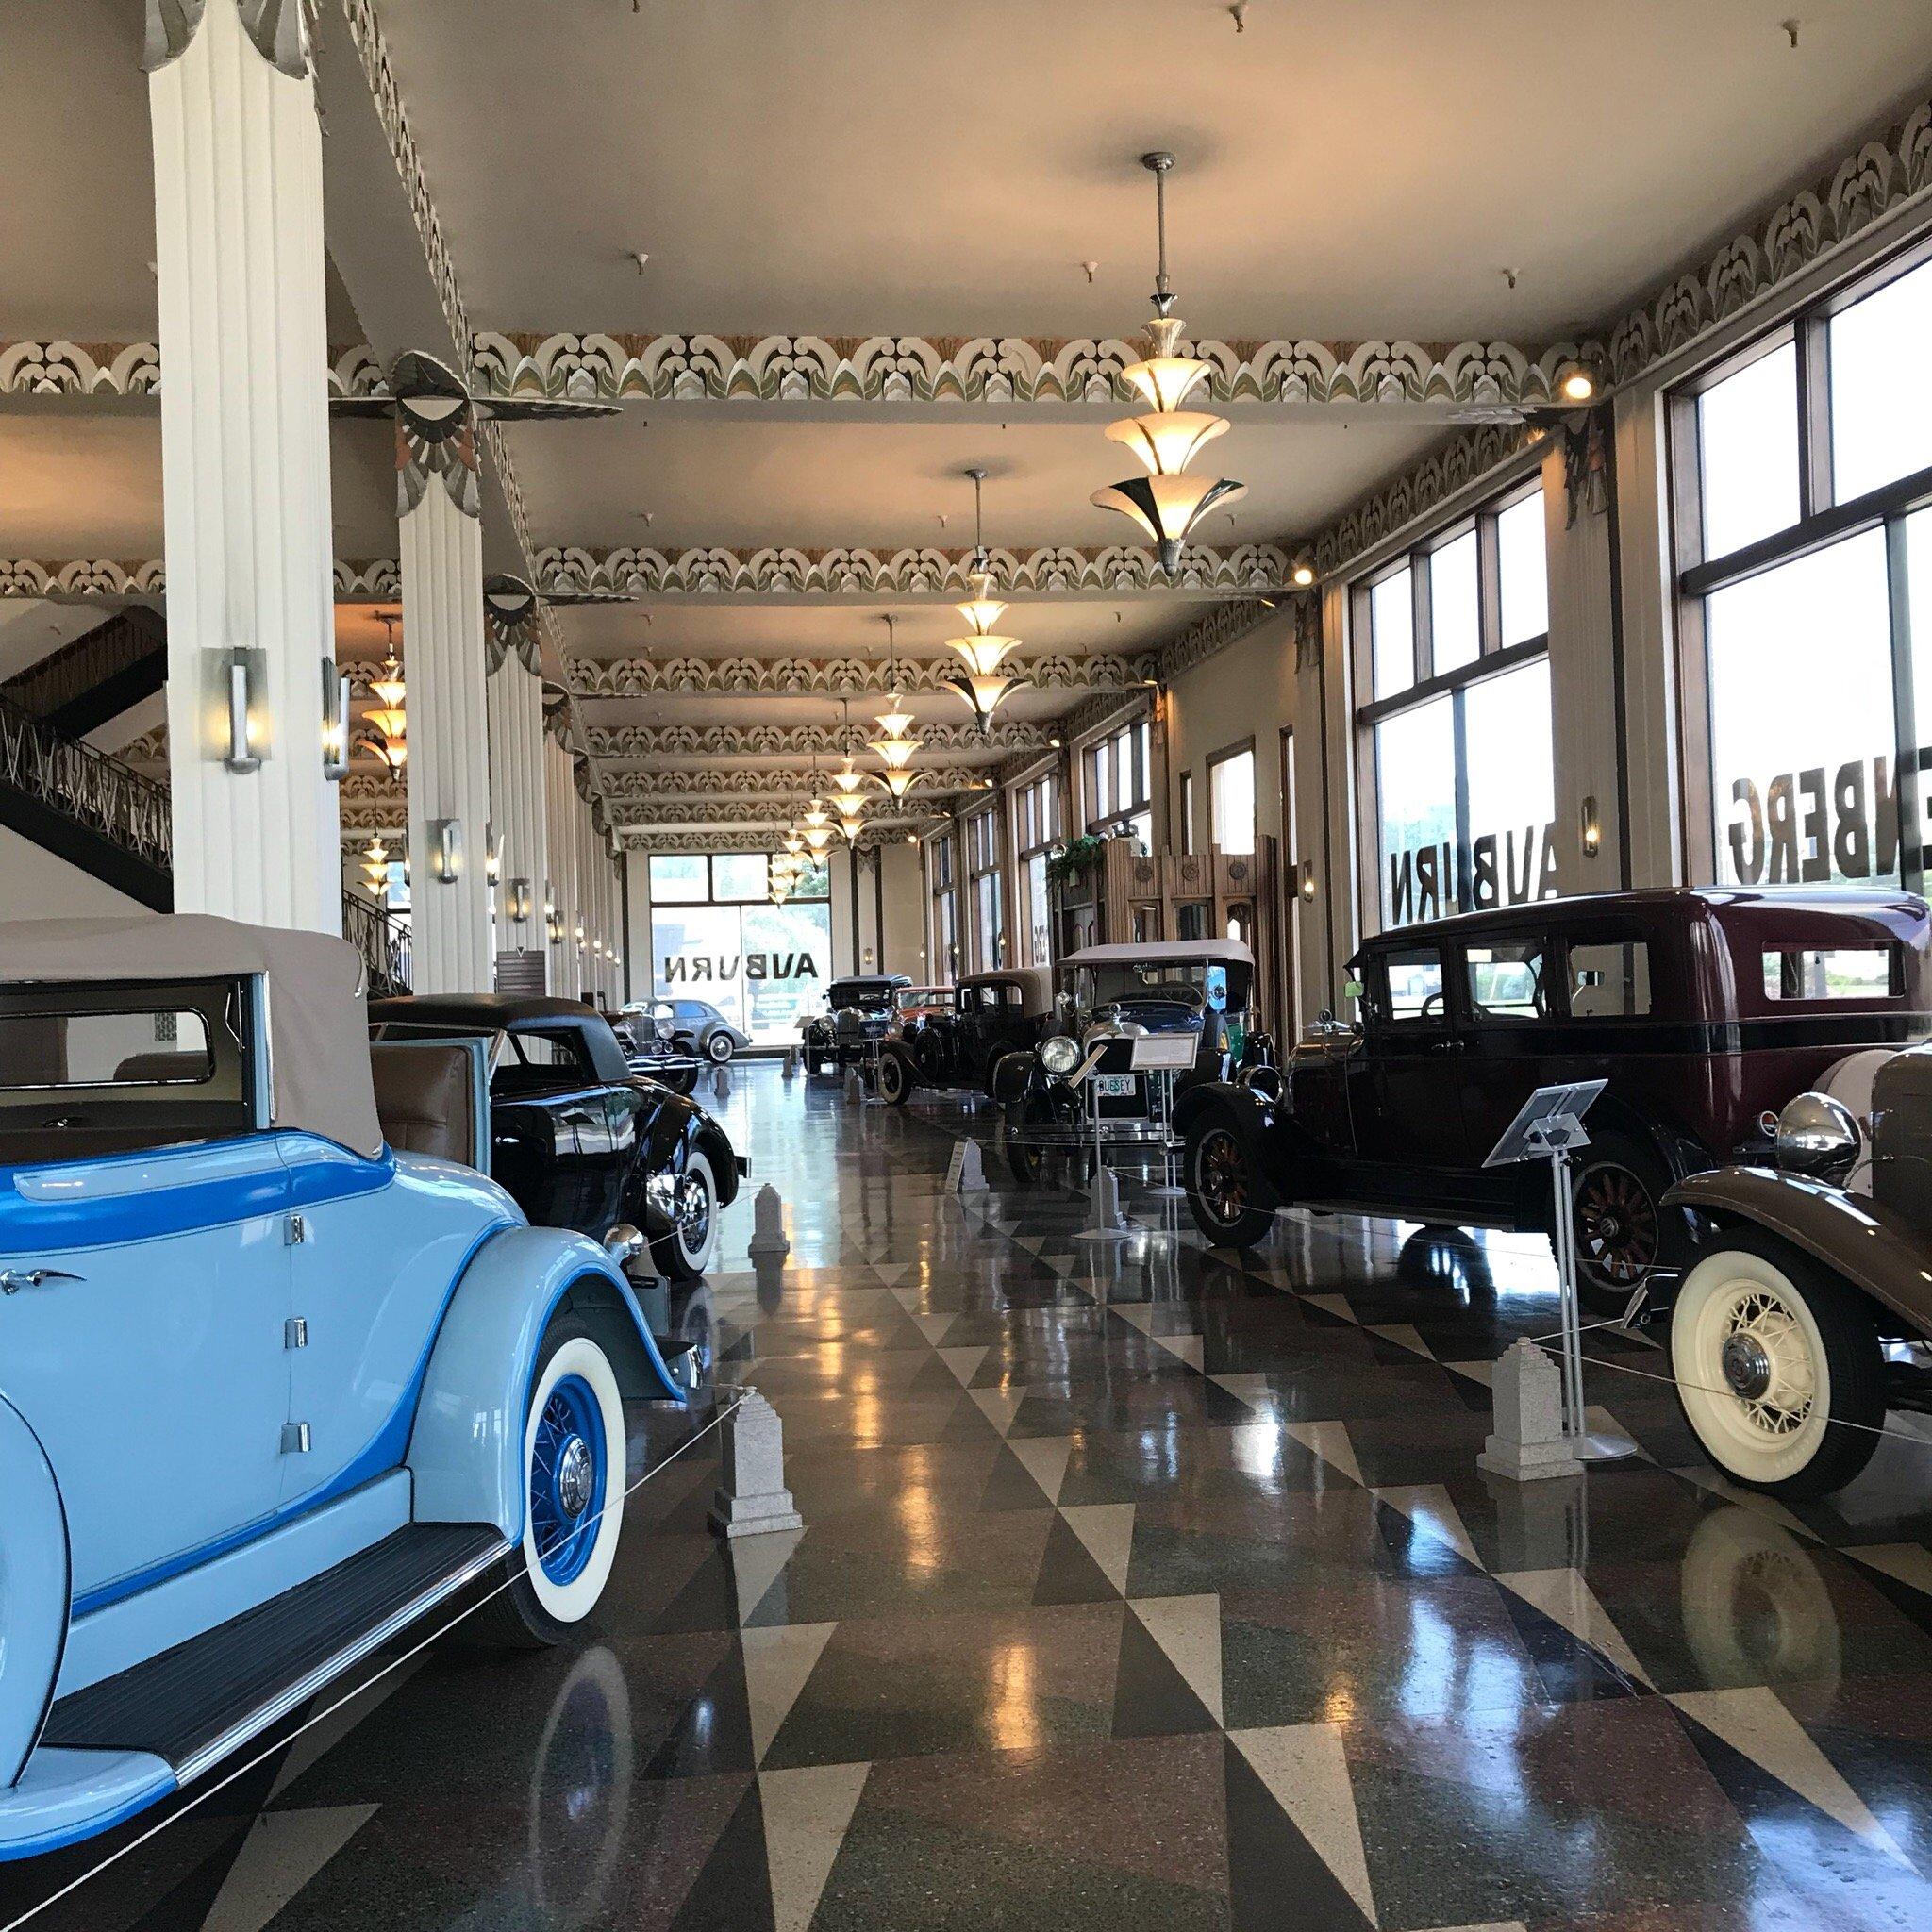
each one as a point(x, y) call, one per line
point(855, 1088)
point(1105, 1223)
point(752, 1499)
point(1528, 1444)
point(768, 1225)
point(790, 1070)
point(971, 1165)
point(721, 1082)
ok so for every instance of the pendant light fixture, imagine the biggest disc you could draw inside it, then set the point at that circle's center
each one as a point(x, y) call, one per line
point(375, 865)
point(848, 786)
point(895, 743)
point(982, 647)
point(387, 716)
point(1166, 502)
point(817, 829)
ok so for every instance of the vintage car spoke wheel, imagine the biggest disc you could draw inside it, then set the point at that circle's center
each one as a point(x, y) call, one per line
point(1221, 1189)
point(894, 1088)
point(720, 1047)
point(1777, 1369)
point(684, 1250)
point(573, 1471)
point(1622, 1229)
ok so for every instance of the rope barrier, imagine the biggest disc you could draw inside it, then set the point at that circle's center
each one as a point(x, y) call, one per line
point(242, 1770)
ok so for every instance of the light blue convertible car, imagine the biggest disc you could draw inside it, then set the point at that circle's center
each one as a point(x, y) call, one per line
point(270, 1391)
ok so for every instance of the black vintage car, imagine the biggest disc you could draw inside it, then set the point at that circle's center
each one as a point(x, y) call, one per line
point(1135, 1025)
point(574, 1137)
point(857, 1010)
point(1705, 1011)
point(956, 1043)
point(651, 1053)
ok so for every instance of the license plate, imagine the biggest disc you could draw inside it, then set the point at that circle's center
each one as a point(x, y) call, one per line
point(1113, 1086)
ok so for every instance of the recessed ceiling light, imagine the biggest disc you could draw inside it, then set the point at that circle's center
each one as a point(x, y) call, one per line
point(1303, 575)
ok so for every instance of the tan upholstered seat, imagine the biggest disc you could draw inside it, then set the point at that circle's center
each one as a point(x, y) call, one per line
point(424, 1100)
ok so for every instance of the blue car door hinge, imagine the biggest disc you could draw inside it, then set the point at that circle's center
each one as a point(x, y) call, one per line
point(295, 1332)
point(296, 1231)
point(295, 1439)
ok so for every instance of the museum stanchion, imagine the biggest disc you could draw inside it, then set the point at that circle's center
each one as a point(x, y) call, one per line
point(1549, 1127)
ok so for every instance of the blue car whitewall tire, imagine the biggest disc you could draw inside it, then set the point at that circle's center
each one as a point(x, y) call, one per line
point(574, 1485)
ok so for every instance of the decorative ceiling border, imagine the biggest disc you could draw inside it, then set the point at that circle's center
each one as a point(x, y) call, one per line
point(756, 838)
point(84, 369)
point(1214, 632)
point(778, 571)
point(94, 576)
point(1003, 369)
point(656, 814)
point(790, 741)
point(636, 678)
point(797, 784)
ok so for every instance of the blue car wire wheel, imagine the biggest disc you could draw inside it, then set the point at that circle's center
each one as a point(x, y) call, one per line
point(574, 1476)
point(568, 1471)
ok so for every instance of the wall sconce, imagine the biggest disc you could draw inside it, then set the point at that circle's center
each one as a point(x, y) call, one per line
point(447, 849)
point(335, 722)
point(868, 958)
point(236, 679)
point(553, 925)
point(492, 853)
point(1306, 869)
point(517, 900)
point(1591, 829)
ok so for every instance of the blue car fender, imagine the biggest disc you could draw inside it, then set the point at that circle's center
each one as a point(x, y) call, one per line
point(466, 1448)
point(35, 1586)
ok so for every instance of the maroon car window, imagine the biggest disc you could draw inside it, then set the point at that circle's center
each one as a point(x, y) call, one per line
point(1846, 973)
point(1609, 980)
point(1415, 983)
point(1506, 980)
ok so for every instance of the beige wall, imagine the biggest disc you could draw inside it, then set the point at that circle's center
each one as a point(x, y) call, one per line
point(36, 885)
point(1247, 690)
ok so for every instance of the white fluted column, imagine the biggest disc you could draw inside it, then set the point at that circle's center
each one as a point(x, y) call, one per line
point(449, 762)
point(517, 769)
point(244, 460)
point(565, 978)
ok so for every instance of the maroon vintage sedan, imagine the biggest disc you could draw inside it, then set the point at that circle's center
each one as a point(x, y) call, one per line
point(1704, 1010)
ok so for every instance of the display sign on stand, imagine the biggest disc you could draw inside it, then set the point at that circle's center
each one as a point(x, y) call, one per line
point(1549, 1126)
point(1162, 1057)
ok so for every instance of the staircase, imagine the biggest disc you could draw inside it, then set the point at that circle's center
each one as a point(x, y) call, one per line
point(108, 820)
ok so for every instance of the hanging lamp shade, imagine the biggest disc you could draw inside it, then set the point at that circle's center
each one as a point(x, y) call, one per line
point(851, 823)
point(390, 688)
point(848, 788)
point(983, 654)
point(1164, 380)
point(983, 690)
point(1166, 442)
point(899, 780)
point(894, 745)
point(1168, 508)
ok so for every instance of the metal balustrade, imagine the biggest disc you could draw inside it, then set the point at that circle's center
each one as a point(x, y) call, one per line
point(118, 804)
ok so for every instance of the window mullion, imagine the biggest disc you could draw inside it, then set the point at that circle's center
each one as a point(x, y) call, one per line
point(1459, 729)
point(1421, 620)
point(1911, 863)
point(1814, 415)
point(1488, 587)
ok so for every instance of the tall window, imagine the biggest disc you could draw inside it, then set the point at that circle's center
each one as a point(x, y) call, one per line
point(1187, 812)
point(716, 935)
point(1804, 482)
point(1119, 789)
point(945, 908)
point(983, 876)
point(1231, 799)
point(1455, 737)
point(1036, 829)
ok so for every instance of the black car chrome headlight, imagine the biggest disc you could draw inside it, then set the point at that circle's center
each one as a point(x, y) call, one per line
point(1059, 1054)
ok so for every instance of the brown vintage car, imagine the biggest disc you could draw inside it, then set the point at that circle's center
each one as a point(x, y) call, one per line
point(1809, 1314)
point(1705, 1011)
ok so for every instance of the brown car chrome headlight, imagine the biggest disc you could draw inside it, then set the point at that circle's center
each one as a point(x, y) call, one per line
point(1818, 1138)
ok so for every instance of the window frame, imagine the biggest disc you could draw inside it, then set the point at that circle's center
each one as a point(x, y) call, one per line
point(1493, 659)
point(1242, 748)
point(1823, 523)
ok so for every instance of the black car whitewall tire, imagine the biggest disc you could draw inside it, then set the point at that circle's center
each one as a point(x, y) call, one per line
point(720, 1047)
point(894, 1083)
point(544, 1601)
point(1221, 1183)
point(684, 1250)
point(1777, 1367)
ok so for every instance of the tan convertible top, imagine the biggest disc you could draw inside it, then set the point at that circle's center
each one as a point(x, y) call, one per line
point(318, 1022)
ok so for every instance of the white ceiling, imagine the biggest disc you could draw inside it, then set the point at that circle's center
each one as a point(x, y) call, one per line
point(850, 168)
